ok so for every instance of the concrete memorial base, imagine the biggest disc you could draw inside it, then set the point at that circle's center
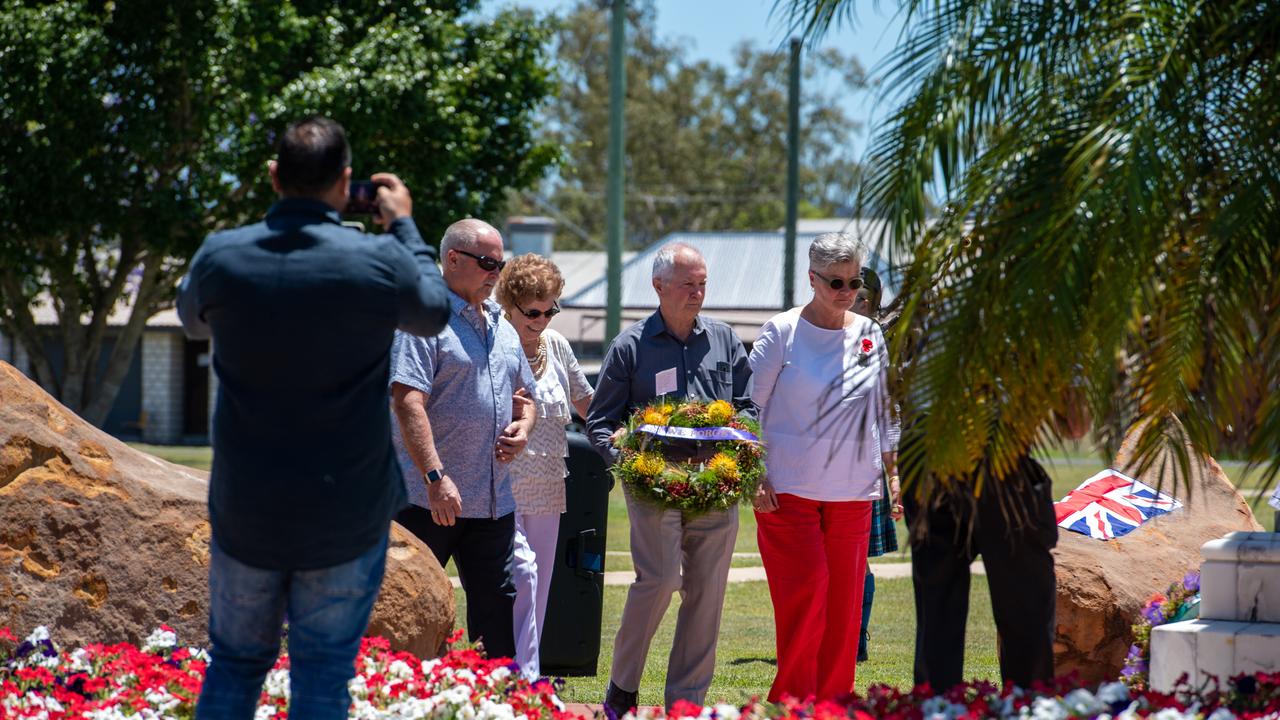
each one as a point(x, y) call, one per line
point(1239, 626)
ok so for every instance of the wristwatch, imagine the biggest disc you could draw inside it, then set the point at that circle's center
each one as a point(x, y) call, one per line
point(433, 476)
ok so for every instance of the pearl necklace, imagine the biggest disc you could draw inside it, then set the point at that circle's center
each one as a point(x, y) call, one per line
point(538, 361)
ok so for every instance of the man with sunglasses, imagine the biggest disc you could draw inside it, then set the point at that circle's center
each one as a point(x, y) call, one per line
point(677, 353)
point(452, 398)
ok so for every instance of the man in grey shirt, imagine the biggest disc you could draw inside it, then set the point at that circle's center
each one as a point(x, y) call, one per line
point(674, 352)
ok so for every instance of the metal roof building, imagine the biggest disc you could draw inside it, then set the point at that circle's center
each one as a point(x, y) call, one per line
point(744, 272)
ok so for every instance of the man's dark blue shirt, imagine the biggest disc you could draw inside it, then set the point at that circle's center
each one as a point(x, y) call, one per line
point(302, 312)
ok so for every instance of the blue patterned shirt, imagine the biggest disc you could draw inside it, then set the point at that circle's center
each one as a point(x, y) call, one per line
point(469, 372)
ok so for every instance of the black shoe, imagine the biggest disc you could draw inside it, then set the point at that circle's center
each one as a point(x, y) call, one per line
point(619, 702)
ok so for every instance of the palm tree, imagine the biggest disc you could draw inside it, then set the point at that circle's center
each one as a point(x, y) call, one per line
point(1109, 172)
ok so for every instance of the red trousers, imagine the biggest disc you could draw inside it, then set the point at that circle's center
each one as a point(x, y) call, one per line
point(815, 557)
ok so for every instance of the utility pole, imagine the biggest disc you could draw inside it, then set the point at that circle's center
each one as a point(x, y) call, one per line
point(617, 156)
point(793, 178)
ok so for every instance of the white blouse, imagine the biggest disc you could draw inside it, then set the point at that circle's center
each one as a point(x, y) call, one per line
point(825, 408)
point(538, 473)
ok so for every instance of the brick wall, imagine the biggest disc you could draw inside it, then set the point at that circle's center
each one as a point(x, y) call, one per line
point(162, 386)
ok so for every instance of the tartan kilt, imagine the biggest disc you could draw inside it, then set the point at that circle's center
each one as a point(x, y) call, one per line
point(884, 536)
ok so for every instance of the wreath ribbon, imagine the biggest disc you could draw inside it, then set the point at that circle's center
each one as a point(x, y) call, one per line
point(703, 433)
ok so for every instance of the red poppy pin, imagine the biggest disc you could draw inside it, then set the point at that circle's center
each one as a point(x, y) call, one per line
point(864, 357)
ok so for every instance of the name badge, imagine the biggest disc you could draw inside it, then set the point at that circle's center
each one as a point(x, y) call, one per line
point(665, 382)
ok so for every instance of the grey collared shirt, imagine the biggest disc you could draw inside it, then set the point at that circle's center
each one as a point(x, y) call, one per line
point(646, 361)
point(469, 372)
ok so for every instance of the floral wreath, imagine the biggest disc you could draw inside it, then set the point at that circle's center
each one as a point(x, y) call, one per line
point(690, 456)
point(1180, 602)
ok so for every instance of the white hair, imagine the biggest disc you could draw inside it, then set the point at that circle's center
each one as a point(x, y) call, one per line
point(464, 234)
point(834, 248)
point(664, 262)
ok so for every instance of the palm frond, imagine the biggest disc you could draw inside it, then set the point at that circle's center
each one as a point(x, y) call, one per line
point(1109, 175)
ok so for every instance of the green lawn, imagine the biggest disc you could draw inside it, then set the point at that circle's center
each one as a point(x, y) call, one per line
point(745, 656)
point(199, 457)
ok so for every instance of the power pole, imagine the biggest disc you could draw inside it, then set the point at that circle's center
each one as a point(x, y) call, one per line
point(617, 156)
point(793, 178)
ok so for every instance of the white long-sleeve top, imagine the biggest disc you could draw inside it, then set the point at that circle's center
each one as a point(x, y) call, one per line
point(825, 408)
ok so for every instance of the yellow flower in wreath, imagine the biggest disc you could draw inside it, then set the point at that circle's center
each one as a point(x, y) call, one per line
point(649, 464)
point(719, 412)
point(724, 466)
point(656, 417)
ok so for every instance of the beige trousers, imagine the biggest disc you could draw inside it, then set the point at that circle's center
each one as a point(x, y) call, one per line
point(674, 552)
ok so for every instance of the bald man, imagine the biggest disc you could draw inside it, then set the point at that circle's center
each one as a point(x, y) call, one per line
point(451, 397)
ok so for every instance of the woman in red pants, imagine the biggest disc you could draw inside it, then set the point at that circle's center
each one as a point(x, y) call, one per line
point(820, 379)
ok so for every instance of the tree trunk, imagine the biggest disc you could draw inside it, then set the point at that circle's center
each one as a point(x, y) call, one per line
point(77, 361)
point(150, 292)
point(21, 325)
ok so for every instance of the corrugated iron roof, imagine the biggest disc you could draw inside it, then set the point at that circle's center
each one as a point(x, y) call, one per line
point(744, 272)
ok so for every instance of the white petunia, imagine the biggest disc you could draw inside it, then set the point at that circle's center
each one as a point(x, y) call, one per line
point(160, 639)
point(725, 711)
point(1113, 692)
point(80, 661)
point(1221, 714)
point(277, 683)
point(399, 670)
point(40, 633)
point(1043, 708)
point(1082, 702)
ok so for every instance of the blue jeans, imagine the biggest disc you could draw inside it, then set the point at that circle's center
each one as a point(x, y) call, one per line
point(328, 611)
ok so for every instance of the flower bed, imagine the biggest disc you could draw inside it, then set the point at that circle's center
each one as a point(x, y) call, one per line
point(1247, 697)
point(162, 680)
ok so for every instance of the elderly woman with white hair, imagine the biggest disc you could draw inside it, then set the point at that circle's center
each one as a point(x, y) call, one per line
point(820, 379)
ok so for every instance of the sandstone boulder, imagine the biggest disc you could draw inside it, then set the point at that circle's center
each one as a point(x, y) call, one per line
point(102, 543)
point(1102, 585)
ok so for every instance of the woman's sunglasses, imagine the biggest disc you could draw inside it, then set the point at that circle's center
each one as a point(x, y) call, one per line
point(485, 262)
point(535, 314)
point(836, 283)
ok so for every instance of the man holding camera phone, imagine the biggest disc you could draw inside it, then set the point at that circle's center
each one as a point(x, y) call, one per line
point(305, 483)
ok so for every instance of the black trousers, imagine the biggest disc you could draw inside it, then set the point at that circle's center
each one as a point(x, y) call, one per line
point(1013, 528)
point(484, 551)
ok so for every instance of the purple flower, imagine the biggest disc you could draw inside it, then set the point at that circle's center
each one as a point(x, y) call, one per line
point(1135, 652)
point(1153, 614)
point(1191, 581)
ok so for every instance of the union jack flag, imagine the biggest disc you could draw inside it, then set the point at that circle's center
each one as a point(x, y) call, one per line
point(1110, 505)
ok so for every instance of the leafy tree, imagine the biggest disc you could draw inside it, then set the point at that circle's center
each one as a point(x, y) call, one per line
point(130, 130)
point(706, 143)
point(1110, 172)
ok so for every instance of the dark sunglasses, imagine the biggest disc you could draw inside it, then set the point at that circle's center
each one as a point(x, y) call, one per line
point(535, 314)
point(836, 283)
point(485, 262)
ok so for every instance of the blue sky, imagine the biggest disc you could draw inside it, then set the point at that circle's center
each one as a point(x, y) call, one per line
point(714, 27)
